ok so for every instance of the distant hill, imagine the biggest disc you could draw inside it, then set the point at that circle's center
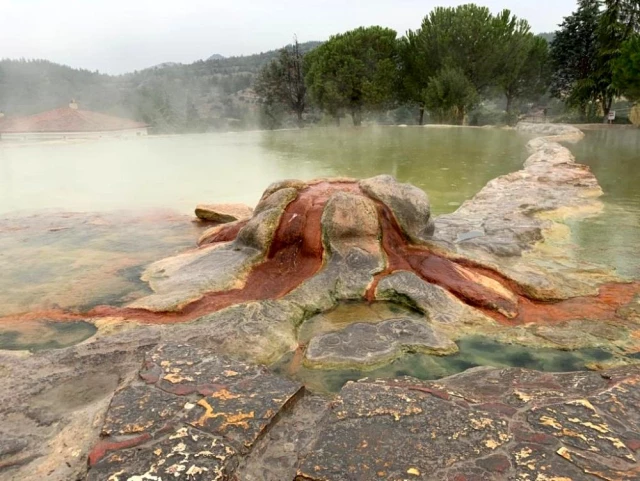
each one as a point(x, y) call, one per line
point(171, 97)
point(166, 64)
point(260, 57)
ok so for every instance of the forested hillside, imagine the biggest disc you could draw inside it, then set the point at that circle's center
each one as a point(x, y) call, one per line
point(205, 95)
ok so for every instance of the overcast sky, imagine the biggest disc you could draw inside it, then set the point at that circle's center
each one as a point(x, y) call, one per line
point(117, 36)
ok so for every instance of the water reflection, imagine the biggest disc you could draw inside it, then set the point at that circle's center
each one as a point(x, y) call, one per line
point(613, 237)
point(451, 165)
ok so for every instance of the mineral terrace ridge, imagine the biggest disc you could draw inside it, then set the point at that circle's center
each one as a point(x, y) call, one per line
point(174, 385)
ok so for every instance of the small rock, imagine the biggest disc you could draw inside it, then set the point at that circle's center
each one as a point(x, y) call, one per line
point(223, 213)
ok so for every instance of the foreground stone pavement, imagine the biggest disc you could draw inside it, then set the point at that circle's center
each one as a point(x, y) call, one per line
point(190, 415)
point(187, 413)
point(484, 424)
point(193, 415)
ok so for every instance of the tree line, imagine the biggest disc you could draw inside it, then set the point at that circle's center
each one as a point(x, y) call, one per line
point(457, 59)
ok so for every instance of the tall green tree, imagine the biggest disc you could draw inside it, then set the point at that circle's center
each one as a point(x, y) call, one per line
point(626, 69)
point(574, 57)
point(449, 95)
point(585, 51)
point(522, 70)
point(282, 81)
point(619, 20)
point(354, 72)
point(462, 37)
point(468, 42)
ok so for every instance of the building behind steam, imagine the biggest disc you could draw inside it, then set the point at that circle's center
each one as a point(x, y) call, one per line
point(68, 123)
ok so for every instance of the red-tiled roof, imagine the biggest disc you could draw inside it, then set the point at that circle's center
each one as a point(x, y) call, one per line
point(67, 120)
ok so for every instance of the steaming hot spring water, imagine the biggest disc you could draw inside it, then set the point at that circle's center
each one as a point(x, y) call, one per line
point(80, 221)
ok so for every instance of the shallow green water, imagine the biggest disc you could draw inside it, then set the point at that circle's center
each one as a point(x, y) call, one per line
point(42, 335)
point(612, 238)
point(77, 261)
point(474, 351)
point(180, 171)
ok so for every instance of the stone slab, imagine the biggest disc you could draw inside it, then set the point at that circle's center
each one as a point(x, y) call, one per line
point(362, 345)
point(483, 424)
point(185, 454)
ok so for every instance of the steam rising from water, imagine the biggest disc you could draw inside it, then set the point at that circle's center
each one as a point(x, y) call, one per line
point(177, 172)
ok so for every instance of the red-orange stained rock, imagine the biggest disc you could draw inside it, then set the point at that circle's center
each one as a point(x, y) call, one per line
point(442, 272)
point(601, 307)
point(227, 232)
point(392, 239)
point(296, 254)
point(104, 447)
point(432, 267)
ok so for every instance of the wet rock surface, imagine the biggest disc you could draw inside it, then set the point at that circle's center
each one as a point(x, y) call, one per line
point(223, 213)
point(502, 224)
point(185, 412)
point(40, 334)
point(189, 415)
point(52, 405)
point(436, 303)
point(410, 206)
point(368, 345)
point(485, 424)
point(181, 280)
point(97, 253)
point(183, 454)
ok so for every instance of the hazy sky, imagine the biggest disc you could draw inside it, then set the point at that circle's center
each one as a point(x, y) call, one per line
point(117, 36)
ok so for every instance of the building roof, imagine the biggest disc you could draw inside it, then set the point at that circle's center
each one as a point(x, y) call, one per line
point(67, 119)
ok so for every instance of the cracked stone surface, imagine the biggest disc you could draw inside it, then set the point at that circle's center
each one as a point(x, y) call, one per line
point(369, 345)
point(243, 411)
point(502, 424)
point(140, 409)
point(189, 414)
point(183, 454)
